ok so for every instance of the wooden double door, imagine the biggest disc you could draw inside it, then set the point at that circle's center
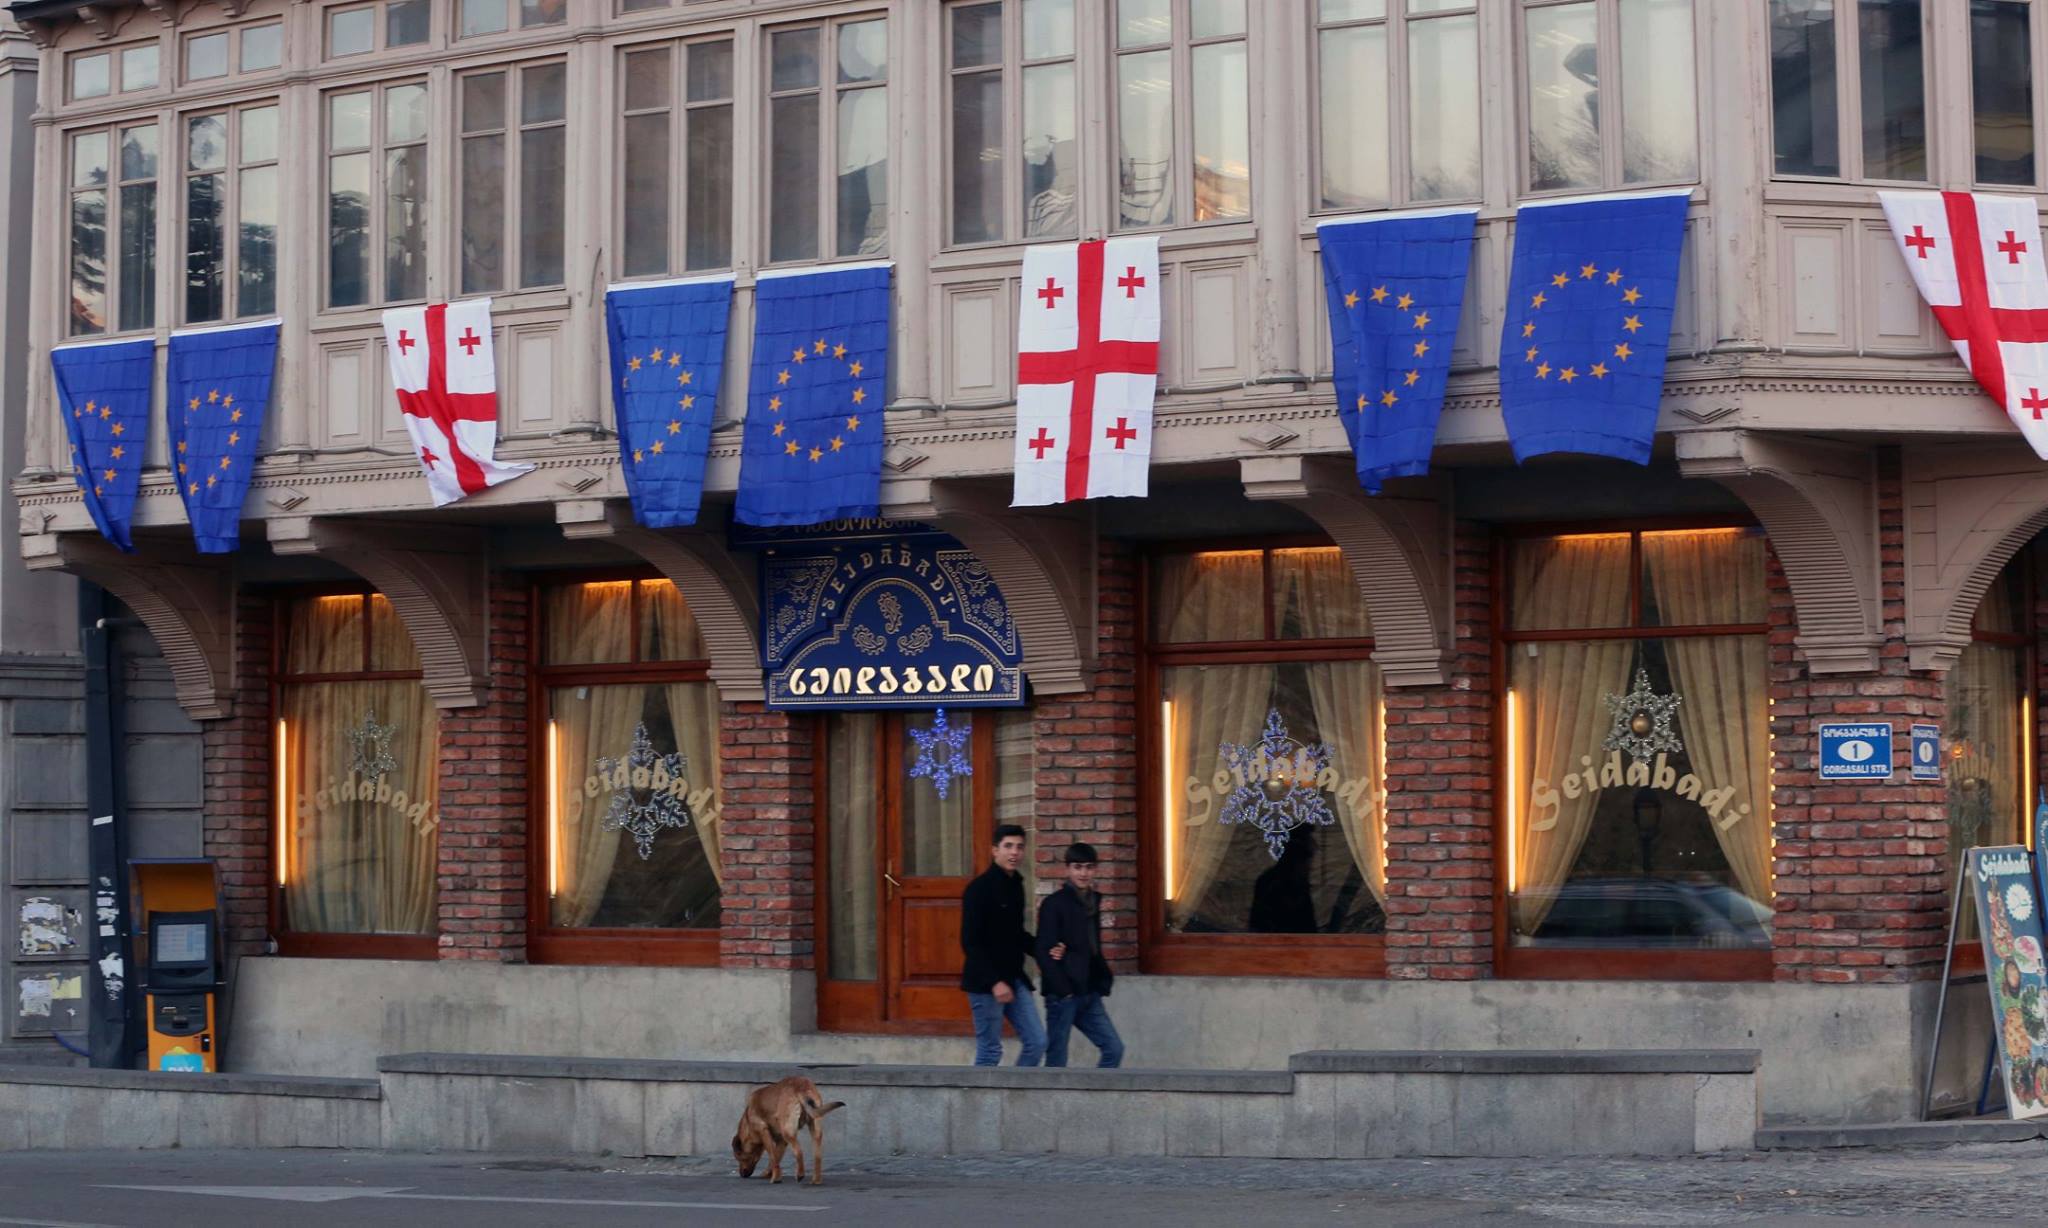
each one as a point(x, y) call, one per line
point(894, 853)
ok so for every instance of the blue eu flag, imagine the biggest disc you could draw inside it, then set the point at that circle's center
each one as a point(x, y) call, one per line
point(1588, 320)
point(1395, 284)
point(812, 448)
point(668, 354)
point(219, 393)
point(104, 388)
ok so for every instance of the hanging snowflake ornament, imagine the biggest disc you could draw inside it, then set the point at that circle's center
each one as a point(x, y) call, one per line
point(1644, 721)
point(940, 755)
point(1278, 785)
point(369, 748)
point(663, 807)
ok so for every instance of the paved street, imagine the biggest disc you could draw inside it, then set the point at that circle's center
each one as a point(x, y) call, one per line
point(310, 1189)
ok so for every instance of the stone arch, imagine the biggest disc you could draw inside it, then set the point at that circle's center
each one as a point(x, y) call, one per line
point(1398, 548)
point(1968, 511)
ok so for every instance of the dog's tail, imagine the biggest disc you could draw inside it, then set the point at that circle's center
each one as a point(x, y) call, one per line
point(819, 1109)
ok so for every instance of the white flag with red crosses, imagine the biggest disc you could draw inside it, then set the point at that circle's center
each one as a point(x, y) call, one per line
point(1087, 368)
point(447, 380)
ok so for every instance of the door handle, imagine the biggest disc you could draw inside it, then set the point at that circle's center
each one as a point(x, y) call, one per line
point(892, 880)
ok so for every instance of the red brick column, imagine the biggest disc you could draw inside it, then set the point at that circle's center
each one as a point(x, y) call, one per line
point(1087, 760)
point(1858, 865)
point(766, 833)
point(483, 799)
point(1440, 812)
point(238, 754)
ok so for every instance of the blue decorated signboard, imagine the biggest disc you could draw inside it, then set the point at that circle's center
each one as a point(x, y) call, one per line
point(883, 615)
point(2009, 920)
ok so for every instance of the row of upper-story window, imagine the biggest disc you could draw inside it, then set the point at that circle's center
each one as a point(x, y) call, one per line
point(1394, 109)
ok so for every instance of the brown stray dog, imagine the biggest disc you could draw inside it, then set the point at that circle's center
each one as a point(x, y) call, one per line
point(772, 1119)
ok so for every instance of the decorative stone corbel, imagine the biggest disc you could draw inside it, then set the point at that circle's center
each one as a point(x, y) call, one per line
point(1043, 560)
point(1397, 546)
point(187, 602)
point(720, 590)
point(437, 580)
point(1818, 501)
point(1969, 509)
point(106, 20)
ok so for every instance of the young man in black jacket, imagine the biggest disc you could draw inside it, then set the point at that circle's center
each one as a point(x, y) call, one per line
point(993, 938)
point(1077, 977)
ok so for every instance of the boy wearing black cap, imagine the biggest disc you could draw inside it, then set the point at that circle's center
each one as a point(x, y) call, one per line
point(1077, 978)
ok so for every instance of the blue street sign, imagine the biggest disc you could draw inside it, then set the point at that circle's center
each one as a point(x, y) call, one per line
point(1856, 752)
point(1927, 752)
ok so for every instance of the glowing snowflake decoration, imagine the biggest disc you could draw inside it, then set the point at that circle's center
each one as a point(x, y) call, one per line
point(2019, 902)
point(1277, 787)
point(939, 758)
point(1643, 721)
point(644, 819)
point(369, 748)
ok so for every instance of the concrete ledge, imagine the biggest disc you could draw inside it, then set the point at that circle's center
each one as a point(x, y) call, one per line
point(303, 1086)
point(71, 1109)
point(628, 1070)
point(1899, 1134)
point(1529, 1061)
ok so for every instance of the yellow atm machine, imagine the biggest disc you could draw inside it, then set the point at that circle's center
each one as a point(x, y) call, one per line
point(180, 957)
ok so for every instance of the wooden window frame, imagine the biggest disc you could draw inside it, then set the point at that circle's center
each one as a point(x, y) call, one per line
point(1180, 47)
point(1397, 21)
point(380, 30)
point(230, 171)
point(512, 221)
point(1613, 114)
point(1011, 67)
point(2037, 55)
point(377, 232)
point(1357, 956)
point(547, 943)
point(1620, 963)
point(1849, 103)
point(321, 945)
point(115, 186)
point(831, 93)
point(679, 112)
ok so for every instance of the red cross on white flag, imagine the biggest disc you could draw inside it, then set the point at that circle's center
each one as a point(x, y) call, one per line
point(1977, 260)
point(1087, 367)
point(447, 381)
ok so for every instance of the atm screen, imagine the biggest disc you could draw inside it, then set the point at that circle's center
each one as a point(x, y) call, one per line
point(179, 943)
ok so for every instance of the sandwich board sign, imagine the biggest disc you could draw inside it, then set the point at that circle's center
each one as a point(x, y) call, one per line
point(1856, 751)
point(2001, 881)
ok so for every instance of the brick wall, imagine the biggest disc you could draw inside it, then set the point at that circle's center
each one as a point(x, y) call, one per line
point(1859, 867)
point(1439, 780)
point(483, 799)
point(766, 835)
point(238, 757)
point(1087, 751)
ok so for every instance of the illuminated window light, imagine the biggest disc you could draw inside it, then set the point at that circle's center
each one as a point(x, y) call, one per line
point(1166, 786)
point(284, 805)
point(554, 809)
point(1514, 787)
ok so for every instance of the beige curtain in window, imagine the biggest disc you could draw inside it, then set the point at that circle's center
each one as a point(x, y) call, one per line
point(324, 635)
point(693, 710)
point(1984, 744)
point(1346, 696)
point(1561, 689)
point(1716, 578)
point(852, 762)
point(589, 623)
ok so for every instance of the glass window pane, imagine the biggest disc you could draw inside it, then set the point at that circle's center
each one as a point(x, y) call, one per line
point(1315, 596)
point(1145, 139)
point(1660, 137)
point(642, 6)
point(405, 223)
point(1443, 108)
point(634, 825)
point(708, 191)
point(405, 113)
point(483, 213)
point(1214, 18)
point(259, 134)
point(139, 67)
point(406, 22)
point(1669, 849)
point(1704, 577)
point(542, 184)
point(1048, 29)
point(138, 152)
point(1141, 23)
point(205, 247)
point(89, 159)
point(793, 59)
point(2002, 90)
point(1048, 147)
point(348, 230)
point(648, 79)
point(863, 51)
point(1208, 598)
point(207, 143)
point(138, 255)
point(1352, 76)
point(977, 35)
point(938, 832)
point(351, 31)
point(863, 172)
point(853, 873)
point(710, 71)
point(543, 12)
point(1984, 746)
point(206, 56)
point(668, 630)
point(793, 174)
point(90, 75)
point(1564, 97)
point(1569, 583)
point(1223, 141)
point(89, 262)
point(481, 17)
point(1439, 6)
point(646, 194)
point(543, 93)
point(1353, 10)
point(1894, 89)
point(1305, 732)
point(483, 102)
point(262, 47)
point(256, 254)
point(978, 157)
point(588, 624)
point(348, 121)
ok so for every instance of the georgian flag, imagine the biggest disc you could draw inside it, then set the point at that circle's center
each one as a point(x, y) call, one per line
point(447, 382)
point(1087, 368)
point(1977, 260)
